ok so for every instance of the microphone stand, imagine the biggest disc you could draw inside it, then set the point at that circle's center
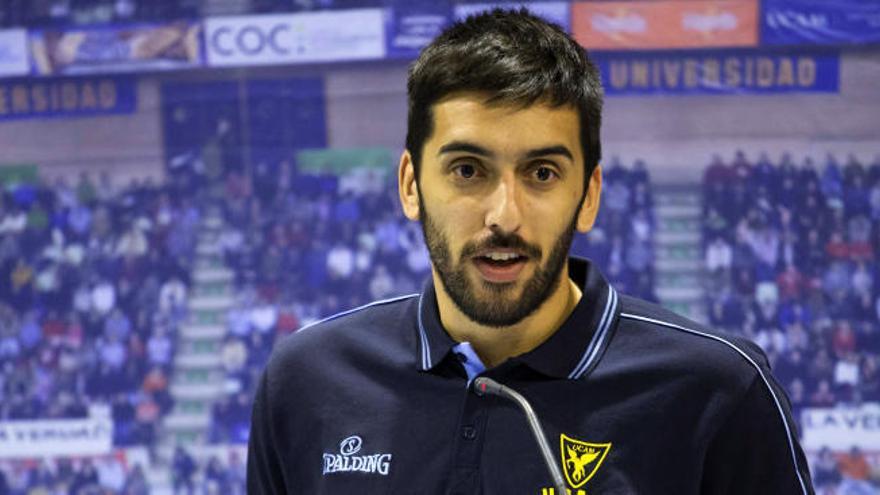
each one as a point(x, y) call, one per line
point(484, 385)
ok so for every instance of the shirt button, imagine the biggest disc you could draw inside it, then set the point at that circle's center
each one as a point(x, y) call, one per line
point(469, 432)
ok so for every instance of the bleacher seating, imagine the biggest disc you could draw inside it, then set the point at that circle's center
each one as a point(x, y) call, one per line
point(791, 254)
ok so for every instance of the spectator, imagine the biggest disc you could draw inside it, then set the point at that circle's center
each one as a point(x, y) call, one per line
point(826, 477)
point(856, 472)
point(183, 467)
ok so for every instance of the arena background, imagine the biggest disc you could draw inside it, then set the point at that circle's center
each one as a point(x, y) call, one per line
point(187, 182)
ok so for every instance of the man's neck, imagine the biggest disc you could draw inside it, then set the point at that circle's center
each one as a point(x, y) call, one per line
point(495, 345)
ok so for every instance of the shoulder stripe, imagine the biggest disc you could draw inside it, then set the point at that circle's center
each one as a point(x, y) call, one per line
point(733, 346)
point(355, 310)
point(423, 336)
point(598, 338)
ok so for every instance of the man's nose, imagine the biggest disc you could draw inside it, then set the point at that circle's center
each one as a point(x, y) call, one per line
point(503, 206)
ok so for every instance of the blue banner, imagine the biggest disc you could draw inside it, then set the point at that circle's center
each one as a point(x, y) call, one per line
point(820, 22)
point(558, 13)
point(69, 97)
point(718, 72)
point(410, 28)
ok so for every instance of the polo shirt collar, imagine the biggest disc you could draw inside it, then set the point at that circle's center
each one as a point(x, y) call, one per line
point(571, 352)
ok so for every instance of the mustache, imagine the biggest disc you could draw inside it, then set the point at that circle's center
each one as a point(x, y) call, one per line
point(500, 240)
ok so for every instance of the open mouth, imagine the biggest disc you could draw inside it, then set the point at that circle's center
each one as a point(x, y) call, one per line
point(500, 266)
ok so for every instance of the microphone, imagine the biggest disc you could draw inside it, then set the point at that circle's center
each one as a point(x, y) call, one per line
point(487, 386)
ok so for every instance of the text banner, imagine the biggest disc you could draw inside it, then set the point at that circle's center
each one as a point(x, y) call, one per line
point(819, 22)
point(66, 97)
point(357, 34)
point(93, 50)
point(841, 428)
point(411, 28)
point(63, 437)
point(668, 24)
point(13, 53)
point(729, 72)
point(558, 13)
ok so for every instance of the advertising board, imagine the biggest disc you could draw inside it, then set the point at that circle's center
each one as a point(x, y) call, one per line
point(663, 25)
point(313, 37)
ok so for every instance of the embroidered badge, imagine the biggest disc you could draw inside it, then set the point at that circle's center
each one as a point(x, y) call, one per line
point(581, 460)
point(347, 462)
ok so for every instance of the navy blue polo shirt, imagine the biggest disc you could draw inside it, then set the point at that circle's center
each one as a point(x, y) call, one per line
point(633, 399)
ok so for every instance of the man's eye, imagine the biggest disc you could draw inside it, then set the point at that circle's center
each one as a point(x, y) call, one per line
point(466, 171)
point(544, 174)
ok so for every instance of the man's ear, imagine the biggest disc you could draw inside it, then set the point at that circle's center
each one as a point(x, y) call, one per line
point(590, 206)
point(407, 187)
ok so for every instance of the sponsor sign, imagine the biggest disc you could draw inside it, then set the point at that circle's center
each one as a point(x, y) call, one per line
point(13, 53)
point(730, 72)
point(62, 437)
point(357, 34)
point(841, 428)
point(668, 24)
point(411, 28)
point(556, 12)
point(66, 97)
point(819, 22)
point(91, 50)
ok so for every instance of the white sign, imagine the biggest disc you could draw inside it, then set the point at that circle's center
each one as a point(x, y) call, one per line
point(14, 52)
point(295, 38)
point(842, 428)
point(61, 437)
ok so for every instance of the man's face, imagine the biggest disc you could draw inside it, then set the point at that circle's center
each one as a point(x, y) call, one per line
point(500, 194)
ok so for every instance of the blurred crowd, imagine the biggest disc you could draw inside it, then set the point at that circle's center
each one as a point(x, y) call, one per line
point(792, 255)
point(621, 243)
point(93, 283)
point(114, 475)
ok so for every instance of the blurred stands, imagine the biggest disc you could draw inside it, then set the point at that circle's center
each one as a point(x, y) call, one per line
point(791, 254)
point(93, 283)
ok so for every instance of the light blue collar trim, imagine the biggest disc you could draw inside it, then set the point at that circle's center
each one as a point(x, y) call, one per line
point(468, 357)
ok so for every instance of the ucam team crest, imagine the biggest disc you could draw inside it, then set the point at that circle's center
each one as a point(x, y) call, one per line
point(581, 460)
point(347, 462)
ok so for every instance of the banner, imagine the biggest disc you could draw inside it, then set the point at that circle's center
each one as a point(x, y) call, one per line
point(13, 52)
point(332, 36)
point(819, 22)
point(62, 437)
point(67, 97)
point(556, 12)
point(91, 50)
point(360, 170)
point(727, 72)
point(841, 428)
point(668, 24)
point(411, 28)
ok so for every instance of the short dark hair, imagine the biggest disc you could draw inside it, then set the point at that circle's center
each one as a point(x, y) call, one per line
point(516, 58)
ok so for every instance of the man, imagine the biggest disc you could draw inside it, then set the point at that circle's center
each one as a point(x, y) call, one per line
point(501, 168)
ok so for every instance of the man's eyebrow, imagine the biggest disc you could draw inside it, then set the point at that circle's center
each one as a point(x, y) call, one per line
point(550, 150)
point(465, 147)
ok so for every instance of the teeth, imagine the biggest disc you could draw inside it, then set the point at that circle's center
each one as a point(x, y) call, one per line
point(501, 256)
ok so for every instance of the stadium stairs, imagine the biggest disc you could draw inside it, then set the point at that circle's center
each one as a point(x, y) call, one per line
point(679, 258)
point(198, 377)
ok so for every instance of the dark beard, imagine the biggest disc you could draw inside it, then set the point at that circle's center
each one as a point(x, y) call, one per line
point(496, 310)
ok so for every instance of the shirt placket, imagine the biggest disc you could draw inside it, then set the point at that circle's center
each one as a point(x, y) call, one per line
point(471, 433)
